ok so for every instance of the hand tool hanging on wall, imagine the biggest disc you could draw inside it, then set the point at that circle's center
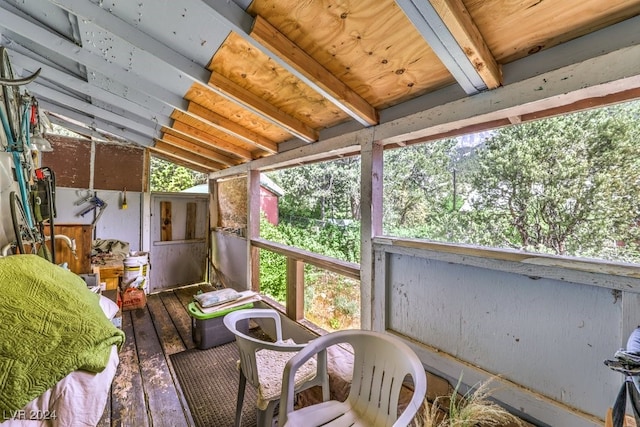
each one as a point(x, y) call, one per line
point(94, 203)
point(124, 199)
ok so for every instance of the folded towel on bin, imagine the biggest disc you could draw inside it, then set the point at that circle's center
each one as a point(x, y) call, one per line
point(213, 298)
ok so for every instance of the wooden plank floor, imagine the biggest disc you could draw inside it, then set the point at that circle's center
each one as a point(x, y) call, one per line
point(145, 391)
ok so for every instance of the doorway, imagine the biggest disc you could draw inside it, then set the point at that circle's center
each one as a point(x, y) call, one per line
point(179, 228)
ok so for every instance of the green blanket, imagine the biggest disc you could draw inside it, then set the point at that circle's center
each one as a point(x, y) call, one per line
point(50, 325)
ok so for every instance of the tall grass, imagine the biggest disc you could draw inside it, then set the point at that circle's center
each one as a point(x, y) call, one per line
point(473, 409)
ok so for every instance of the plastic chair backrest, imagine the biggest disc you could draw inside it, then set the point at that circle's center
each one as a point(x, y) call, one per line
point(247, 345)
point(381, 364)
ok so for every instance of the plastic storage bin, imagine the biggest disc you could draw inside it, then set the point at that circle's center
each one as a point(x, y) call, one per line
point(208, 330)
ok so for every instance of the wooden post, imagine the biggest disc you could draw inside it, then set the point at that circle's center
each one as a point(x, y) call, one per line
point(165, 222)
point(295, 289)
point(253, 228)
point(371, 316)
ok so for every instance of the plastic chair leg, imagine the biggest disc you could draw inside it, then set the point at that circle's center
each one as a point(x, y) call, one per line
point(241, 385)
point(265, 418)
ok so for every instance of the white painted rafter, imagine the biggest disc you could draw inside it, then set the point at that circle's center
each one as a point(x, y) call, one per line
point(95, 123)
point(65, 79)
point(436, 33)
point(42, 91)
point(53, 42)
point(92, 13)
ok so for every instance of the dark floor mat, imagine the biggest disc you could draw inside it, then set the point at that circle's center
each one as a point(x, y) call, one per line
point(209, 381)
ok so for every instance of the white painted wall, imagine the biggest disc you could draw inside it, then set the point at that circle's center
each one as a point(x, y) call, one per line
point(115, 222)
point(229, 253)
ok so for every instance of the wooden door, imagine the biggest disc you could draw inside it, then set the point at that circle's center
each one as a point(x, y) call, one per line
point(179, 228)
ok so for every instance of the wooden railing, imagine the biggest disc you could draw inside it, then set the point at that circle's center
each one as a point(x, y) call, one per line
point(296, 258)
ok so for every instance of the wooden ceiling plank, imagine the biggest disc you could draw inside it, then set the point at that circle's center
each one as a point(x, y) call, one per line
point(202, 95)
point(170, 149)
point(184, 145)
point(222, 158)
point(180, 162)
point(348, 100)
point(180, 125)
point(263, 108)
point(215, 120)
point(189, 143)
point(457, 19)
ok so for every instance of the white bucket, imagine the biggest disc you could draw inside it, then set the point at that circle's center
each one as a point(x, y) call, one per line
point(136, 258)
point(136, 270)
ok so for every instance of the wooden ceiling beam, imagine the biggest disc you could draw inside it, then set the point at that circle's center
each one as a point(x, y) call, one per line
point(192, 144)
point(331, 87)
point(262, 108)
point(95, 123)
point(139, 125)
point(170, 149)
point(433, 29)
point(180, 125)
point(455, 16)
point(230, 127)
point(173, 60)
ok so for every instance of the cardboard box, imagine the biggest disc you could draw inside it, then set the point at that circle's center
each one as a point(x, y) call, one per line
point(110, 275)
point(208, 330)
point(133, 298)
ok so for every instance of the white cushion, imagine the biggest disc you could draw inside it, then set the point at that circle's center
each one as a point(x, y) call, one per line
point(109, 307)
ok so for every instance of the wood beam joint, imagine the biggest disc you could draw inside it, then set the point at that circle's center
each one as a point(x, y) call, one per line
point(455, 16)
point(269, 36)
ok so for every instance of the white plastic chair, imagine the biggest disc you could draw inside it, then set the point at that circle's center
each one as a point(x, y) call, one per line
point(381, 363)
point(262, 364)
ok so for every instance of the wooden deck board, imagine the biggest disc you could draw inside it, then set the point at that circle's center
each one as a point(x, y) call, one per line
point(128, 405)
point(179, 316)
point(145, 391)
point(164, 403)
point(170, 340)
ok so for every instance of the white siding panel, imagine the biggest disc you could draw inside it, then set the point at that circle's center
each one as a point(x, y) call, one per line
point(549, 336)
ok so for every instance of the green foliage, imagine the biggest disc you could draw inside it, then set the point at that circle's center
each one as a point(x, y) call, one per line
point(273, 267)
point(167, 176)
point(329, 190)
point(418, 183)
point(564, 185)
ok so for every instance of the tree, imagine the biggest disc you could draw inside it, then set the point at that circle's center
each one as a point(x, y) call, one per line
point(321, 191)
point(167, 176)
point(566, 185)
point(418, 187)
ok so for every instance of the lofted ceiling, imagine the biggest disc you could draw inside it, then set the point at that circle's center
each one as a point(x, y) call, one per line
point(213, 84)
